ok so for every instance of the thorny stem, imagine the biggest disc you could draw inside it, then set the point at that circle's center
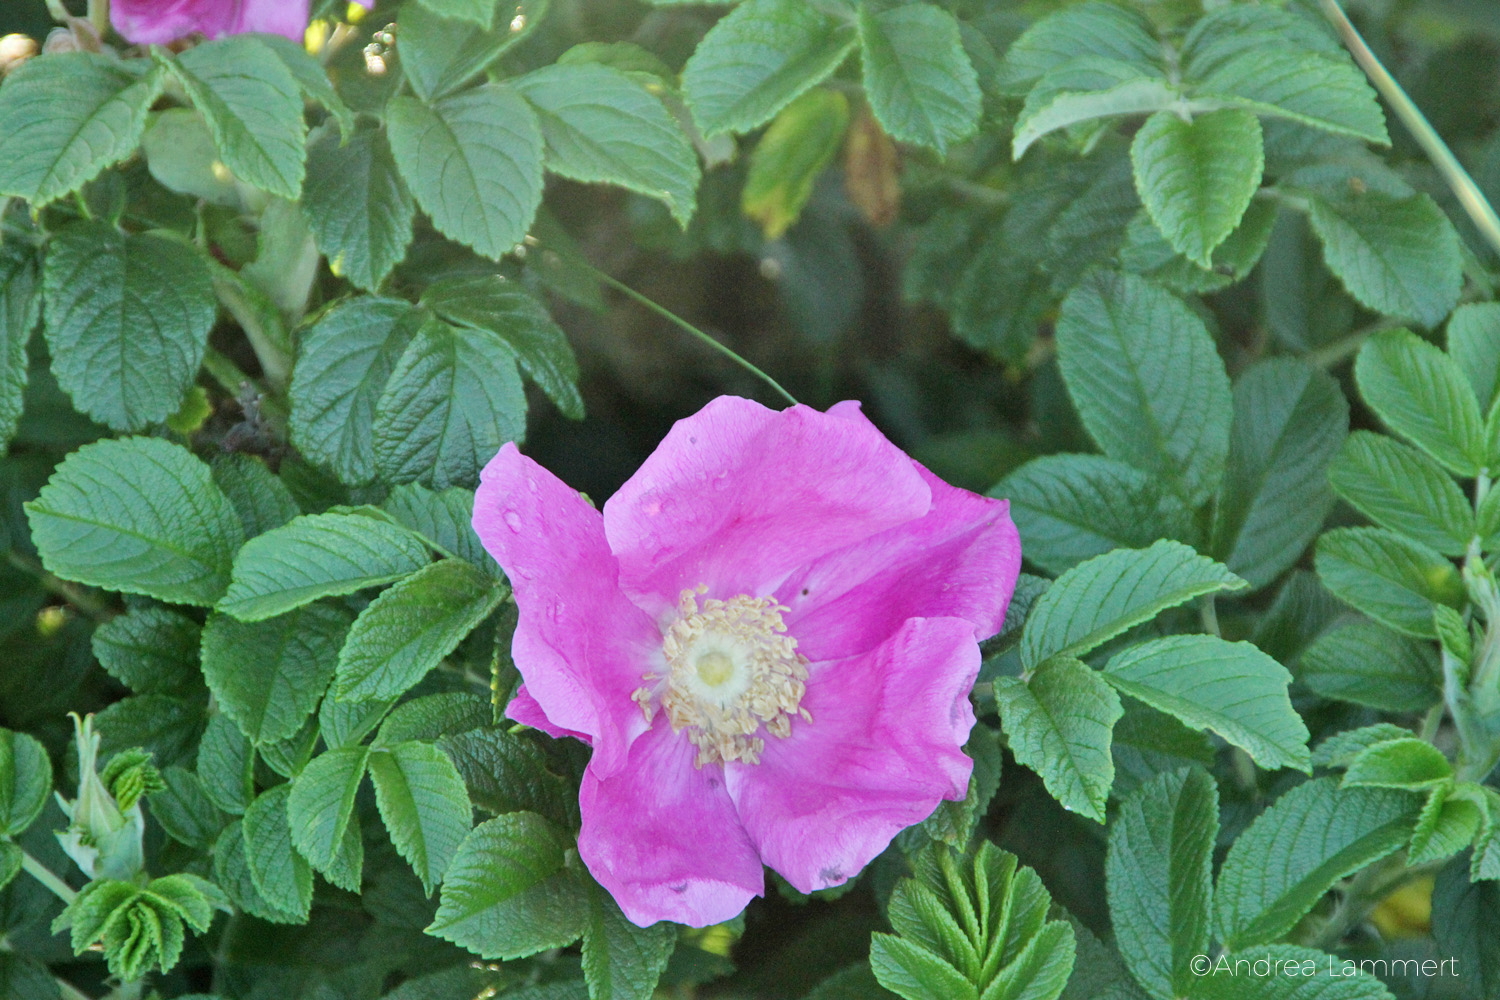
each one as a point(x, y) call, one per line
point(684, 325)
point(80, 599)
point(1457, 178)
point(45, 875)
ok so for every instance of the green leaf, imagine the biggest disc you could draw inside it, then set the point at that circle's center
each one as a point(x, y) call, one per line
point(453, 399)
point(149, 649)
point(506, 773)
point(137, 515)
point(434, 715)
point(259, 497)
point(321, 805)
point(311, 77)
point(441, 54)
point(268, 675)
point(283, 879)
point(25, 781)
point(346, 357)
point(444, 519)
point(1094, 28)
point(127, 321)
point(232, 873)
point(1398, 256)
point(424, 804)
point(1196, 177)
point(1097, 600)
point(1159, 873)
point(601, 126)
point(357, 205)
point(1059, 724)
point(481, 12)
point(953, 821)
point(1407, 763)
point(185, 811)
point(1370, 665)
point(165, 726)
point(507, 893)
point(1340, 749)
point(1422, 394)
point(915, 973)
point(1069, 508)
point(345, 723)
point(1148, 744)
point(474, 162)
point(1474, 343)
point(1391, 579)
point(1402, 489)
point(318, 555)
point(757, 60)
point(790, 157)
point(67, 117)
point(409, 628)
point(918, 79)
point(1448, 823)
point(26, 978)
point(620, 960)
point(253, 106)
point(1230, 687)
point(20, 308)
point(226, 765)
point(1285, 972)
point(180, 153)
point(506, 309)
point(1292, 853)
point(1086, 89)
point(1146, 252)
point(1289, 421)
point(1146, 380)
point(1464, 916)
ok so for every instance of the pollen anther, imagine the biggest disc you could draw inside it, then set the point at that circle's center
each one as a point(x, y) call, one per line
point(732, 671)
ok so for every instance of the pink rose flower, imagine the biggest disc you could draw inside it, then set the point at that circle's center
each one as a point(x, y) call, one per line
point(149, 22)
point(768, 637)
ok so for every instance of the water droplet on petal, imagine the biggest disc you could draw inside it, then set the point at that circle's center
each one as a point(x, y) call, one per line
point(513, 521)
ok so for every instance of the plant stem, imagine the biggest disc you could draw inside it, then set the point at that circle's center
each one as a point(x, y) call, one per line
point(80, 599)
point(1473, 200)
point(1363, 893)
point(683, 324)
point(44, 875)
point(1208, 613)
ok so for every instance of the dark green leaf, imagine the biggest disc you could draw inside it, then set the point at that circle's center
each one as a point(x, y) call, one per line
point(149, 649)
point(321, 805)
point(1402, 489)
point(1370, 665)
point(25, 781)
point(918, 79)
point(356, 205)
point(281, 876)
point(1393, 580)
point(424, 804)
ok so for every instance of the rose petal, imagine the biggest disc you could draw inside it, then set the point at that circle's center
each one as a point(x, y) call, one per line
point(662, 837)
point(959, 561)
point(523, 708)
point(883, 749)
point(580, 644)
point(274, 17)
point(737, 496)
point(151, 22)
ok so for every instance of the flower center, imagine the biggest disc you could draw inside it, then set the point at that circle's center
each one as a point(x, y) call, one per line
point(731, 671)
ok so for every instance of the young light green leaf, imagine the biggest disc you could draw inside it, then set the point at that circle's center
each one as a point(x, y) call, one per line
point(1146, 380)
point(1340, 749)
point(1086, 89)
point(453, 399)
point(1159, 876)
point(601, 126)
point(1422, 394)
point(1368, 664)
point(1069, 508)
point(915, 973)
point(127, 321)
point(268, 675)
point(1402, 489)
point(508, 893)
point(1292, 853)
point(25, 781)
point(283, 879)
point(1097, 600)
point(440, 54)
point(757, 60)
point(918, 79)
point(1398, 256)
point(409, 628)
point(1231, 688)
point(424, 804)
point(1407, 763)
point(253, 106)
point(318, 555)
point(356, 204)
point(1059, 723)
point(1391, 579)
point(149, 649)
point(1474, 343)
point(321, 805)
point(1093, 28)
point(508, 310)
point(474, 162)
point(1289, 421)
point(621, 960)
point(66, 118)
point(789, 158)
point(137, 515)
point(1196, 177)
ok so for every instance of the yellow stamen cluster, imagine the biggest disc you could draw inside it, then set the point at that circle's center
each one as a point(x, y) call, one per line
point(731, 671)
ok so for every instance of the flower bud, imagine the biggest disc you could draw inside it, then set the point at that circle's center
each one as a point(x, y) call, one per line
point(103, 838)
point(14, 50)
